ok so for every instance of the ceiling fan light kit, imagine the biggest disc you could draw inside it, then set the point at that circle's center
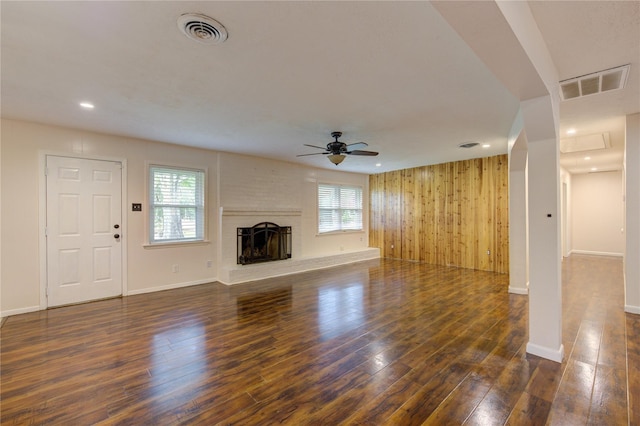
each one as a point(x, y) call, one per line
point(337, 151)
point(336, 158)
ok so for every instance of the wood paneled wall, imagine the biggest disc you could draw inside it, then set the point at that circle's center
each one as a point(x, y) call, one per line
point(453, 214)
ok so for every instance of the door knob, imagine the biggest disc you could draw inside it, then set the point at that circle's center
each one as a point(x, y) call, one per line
point(116, 236)
point(116, 226)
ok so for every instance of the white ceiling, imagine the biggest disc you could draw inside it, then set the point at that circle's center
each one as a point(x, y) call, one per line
point(393, 74)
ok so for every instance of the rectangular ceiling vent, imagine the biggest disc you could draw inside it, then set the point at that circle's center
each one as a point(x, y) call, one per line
point(585, 143)
point(594, 83)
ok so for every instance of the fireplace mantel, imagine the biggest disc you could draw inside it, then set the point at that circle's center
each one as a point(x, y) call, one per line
point(243, 211)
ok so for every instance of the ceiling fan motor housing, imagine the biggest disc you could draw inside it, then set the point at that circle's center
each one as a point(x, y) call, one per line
point(337, 147)
point(336, 150)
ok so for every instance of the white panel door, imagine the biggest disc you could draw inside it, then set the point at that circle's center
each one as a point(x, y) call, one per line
point(84, 252)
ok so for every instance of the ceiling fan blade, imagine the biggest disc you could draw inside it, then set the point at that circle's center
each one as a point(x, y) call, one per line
point(313, 153)
point(359, 152)
point(358, 143)
point(315, 146)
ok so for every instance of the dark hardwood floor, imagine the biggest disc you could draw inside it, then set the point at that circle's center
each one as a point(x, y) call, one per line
point(386, 342)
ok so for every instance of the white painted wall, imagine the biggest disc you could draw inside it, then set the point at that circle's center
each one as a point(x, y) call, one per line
point(632, 213)
point(545, 274)
point(518, 212)
point(565, 212)
point(0, 219)
point(597, 213)
point(149, 269)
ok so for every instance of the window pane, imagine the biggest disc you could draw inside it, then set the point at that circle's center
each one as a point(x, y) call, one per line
point(328, 220)
point(328, 197)
point(177, 204)
point(350, 198)
point(173, 223)
point(339, 208)
point(351, 219)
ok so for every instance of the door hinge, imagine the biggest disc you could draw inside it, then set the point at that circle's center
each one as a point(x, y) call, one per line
point(46, 171)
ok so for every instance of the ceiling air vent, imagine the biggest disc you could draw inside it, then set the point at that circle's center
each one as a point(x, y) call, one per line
point(202, 28)
point(468, 145)
point(594, 83)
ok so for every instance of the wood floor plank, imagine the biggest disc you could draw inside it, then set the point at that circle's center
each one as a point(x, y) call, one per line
point(608, 401)
point(379, 342)
point(633, 374)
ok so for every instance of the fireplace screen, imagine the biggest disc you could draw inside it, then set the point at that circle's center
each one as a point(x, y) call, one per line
point(263, 242)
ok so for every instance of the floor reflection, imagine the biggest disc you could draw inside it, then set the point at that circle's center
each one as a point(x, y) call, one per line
point(184, 358)
point(340, 309)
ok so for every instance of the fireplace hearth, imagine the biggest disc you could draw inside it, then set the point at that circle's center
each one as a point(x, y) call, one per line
point(263, 242)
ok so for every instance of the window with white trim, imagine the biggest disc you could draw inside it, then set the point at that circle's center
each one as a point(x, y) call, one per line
point(176, 204)
point(339, 208)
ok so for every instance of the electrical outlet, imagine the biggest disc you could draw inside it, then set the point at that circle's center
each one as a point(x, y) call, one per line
point(488, 252)
point(209, 263)
point(136, 207)
point(175, 268)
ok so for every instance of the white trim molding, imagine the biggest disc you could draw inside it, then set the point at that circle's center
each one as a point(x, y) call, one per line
point(170, 286)
point(632, 309)
point(552, 354)
point(519, 290)
point(597, 253)
point(19, 311)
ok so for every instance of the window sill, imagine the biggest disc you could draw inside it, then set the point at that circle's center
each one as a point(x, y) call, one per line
point(355, 231)
point(173, 244)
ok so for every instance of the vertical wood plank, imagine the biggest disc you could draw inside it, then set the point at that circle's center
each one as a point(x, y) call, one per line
point(452, 214)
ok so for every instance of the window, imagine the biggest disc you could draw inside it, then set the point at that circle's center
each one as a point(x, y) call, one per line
point(176, 203)
point(339, 208)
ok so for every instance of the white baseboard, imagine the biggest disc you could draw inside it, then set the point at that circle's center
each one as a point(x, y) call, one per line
point(552, 354)
point(519, 290)
point(597, 253)
point(129, 293)
point(632, 309)
point(19, 311)
point(170, 286)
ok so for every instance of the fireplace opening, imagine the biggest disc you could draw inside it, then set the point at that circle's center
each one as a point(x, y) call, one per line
point(263, 242)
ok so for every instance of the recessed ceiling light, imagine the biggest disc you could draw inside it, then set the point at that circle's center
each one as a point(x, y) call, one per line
point(87, 105)
point(378, 164)
point(571, 131)
point(594, 169)
point(486, 145)
point(587, 158)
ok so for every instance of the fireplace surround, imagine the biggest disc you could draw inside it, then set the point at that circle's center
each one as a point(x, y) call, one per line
point(263, 242)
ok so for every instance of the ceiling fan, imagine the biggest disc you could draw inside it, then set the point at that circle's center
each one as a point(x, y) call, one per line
point(337, 150)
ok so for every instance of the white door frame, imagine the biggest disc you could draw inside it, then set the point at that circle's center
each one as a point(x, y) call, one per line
point(42, 217)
